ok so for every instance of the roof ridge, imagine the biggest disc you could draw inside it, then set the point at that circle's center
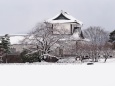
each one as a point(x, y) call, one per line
point(67, 15)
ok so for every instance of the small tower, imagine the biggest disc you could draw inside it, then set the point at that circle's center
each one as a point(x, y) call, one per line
point(66, 24)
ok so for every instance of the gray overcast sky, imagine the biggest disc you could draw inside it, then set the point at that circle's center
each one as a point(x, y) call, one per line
point(20, 16)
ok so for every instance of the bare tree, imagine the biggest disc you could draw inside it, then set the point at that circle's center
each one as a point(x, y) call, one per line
point(107, 51)
point(96, 35)
point(98, 40)
point(43, 39)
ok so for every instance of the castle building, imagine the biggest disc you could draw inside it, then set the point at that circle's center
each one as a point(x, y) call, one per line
point(67, 25)
point(62, 23)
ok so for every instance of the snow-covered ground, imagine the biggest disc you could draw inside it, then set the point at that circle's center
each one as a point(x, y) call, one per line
point(71, 60)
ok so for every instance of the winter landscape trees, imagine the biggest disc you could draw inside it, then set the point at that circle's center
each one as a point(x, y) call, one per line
point(42, 39)
point(98, 42)
point(97, 47)
point(44, 43)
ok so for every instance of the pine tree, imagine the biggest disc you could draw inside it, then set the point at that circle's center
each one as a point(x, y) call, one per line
point(5, 45)
point(112, 36)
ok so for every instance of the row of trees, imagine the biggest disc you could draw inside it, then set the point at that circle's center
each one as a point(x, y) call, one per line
point(44, 41)
point(99, 45)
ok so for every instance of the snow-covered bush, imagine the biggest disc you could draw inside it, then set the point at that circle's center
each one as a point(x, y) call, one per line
point(49, 58)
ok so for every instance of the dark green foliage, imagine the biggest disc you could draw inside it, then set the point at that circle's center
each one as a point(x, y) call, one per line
point(5, 44)
point(22, 55)
point(112, 36)
point(1, 47)
point(30, 57)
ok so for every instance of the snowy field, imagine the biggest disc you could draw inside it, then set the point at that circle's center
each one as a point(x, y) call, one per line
point(71, 60)
point(52, 74)
point(68, 61)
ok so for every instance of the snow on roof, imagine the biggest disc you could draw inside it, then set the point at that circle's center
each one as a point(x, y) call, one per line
point(86, 40)
point(15, 38)
point(1, 35)
point(75, 36)
point(67, 15)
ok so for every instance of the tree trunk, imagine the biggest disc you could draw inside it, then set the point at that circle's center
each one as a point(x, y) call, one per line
point(61, 52)
point(6, 58)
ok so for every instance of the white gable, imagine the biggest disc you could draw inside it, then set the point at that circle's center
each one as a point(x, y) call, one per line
point(68, 16)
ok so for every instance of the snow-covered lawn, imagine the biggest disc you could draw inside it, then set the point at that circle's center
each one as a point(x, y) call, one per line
point(109, 61)
point(71, 60)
